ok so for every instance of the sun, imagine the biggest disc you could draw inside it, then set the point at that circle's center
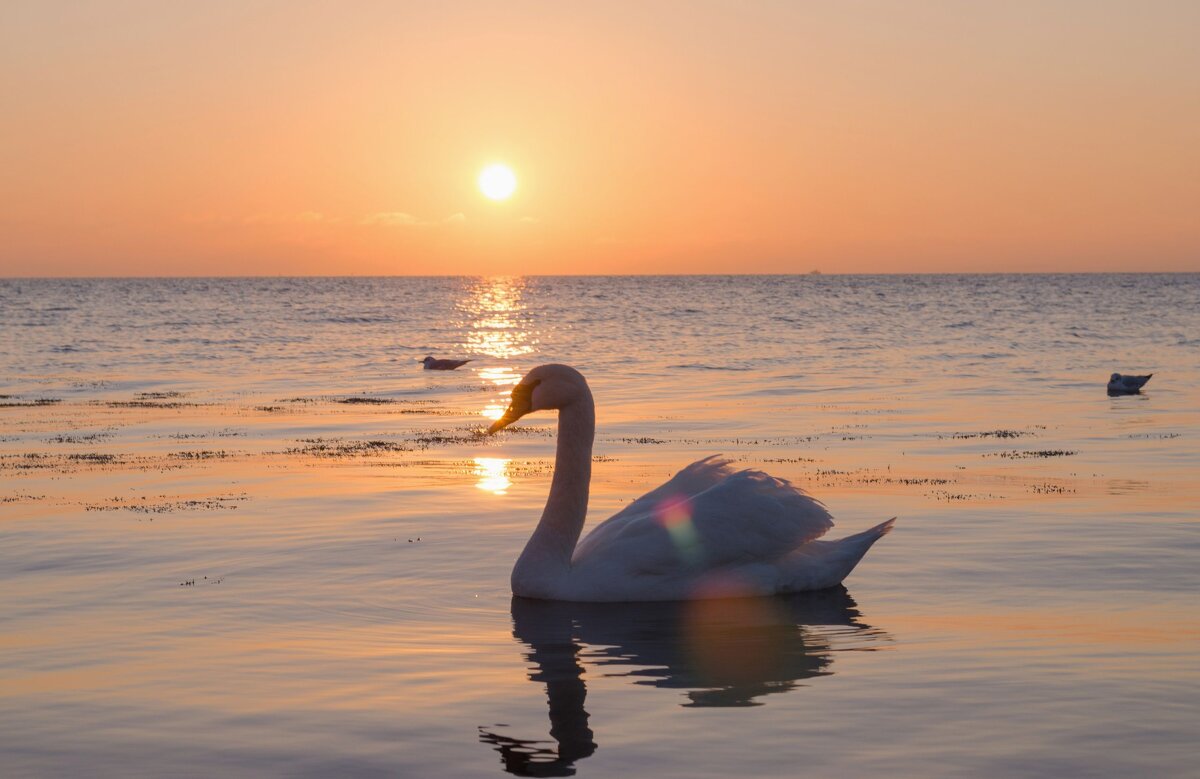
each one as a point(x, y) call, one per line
point(497, 182)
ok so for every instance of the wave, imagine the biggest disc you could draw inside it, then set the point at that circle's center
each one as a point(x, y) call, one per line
point(356, 320)
point(702, 367)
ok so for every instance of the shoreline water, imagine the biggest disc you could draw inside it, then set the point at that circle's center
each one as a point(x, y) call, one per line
point(244, 532)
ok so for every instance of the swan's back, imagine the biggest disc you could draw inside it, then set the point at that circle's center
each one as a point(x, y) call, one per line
point(707, 516)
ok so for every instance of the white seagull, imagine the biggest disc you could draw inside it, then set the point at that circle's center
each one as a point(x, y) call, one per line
point(1126, 385)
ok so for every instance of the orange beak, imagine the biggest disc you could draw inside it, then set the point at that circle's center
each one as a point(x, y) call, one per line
point(521, 404)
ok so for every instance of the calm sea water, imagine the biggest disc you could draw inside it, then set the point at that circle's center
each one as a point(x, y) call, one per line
point(242, 533)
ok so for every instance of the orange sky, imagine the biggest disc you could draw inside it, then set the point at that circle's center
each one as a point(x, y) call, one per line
point(244, 138)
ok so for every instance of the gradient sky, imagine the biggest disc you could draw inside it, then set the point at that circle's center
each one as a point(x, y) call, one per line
point(247, 138)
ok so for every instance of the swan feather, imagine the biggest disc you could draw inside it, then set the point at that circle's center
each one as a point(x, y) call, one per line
point(728, 517)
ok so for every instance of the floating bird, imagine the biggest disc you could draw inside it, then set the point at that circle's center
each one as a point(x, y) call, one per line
point(709, 532)
point(433, 364)
point(1126, 385)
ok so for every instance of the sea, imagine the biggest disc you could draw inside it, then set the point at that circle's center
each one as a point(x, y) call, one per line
point(244, 533)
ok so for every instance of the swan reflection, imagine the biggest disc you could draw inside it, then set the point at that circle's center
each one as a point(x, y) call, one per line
point(728, 653)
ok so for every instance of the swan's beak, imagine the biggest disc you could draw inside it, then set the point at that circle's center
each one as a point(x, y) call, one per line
point(522, 404)
point(504, 421)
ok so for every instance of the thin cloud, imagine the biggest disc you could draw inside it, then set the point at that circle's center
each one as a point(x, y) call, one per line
point(304, 217)
point(391, 219)
point(404, 219)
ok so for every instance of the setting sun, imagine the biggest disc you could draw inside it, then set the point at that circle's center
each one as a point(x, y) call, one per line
point(497, 182)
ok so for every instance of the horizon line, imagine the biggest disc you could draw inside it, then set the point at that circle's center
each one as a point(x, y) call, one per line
point(802, 274)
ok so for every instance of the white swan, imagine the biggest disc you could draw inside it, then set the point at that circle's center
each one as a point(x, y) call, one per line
point(709, 532)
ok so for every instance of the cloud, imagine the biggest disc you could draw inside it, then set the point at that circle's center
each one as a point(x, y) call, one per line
point(262, 218)
point(391, 218)
point(403, 219)
point(306, 217)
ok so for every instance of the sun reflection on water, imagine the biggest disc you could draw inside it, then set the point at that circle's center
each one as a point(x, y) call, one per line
point(493, 474)
point(498, 318)
point(496, 325)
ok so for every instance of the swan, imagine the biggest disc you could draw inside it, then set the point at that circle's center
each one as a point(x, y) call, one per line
point(1126, 385)
point(434, 364)
point(709, 532)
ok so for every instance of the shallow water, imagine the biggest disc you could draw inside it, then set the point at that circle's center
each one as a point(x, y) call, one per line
point(241, 532)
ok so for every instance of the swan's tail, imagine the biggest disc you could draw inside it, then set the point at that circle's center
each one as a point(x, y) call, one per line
point(868, 537)
point(818, 565)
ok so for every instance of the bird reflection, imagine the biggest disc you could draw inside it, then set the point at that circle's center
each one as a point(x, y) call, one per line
point(727, 653)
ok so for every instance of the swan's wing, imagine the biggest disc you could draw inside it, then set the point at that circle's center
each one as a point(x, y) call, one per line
point(692, 480)
point(709, 515)
point(752, 517)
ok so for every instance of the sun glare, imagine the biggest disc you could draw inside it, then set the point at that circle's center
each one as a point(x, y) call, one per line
point(497, 182)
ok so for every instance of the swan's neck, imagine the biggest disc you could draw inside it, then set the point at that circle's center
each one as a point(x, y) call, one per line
point(549, 550)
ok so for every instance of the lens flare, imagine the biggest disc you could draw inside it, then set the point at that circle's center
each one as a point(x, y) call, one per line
point(675, 514)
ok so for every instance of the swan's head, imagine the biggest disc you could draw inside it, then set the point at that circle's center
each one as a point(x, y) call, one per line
point(544, 388)
point(1114, 377)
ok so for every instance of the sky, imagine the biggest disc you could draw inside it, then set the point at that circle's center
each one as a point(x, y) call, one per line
point(312, 138)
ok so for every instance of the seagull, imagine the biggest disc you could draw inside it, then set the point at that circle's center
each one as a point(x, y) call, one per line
point(1127, 385)
point(432, 364)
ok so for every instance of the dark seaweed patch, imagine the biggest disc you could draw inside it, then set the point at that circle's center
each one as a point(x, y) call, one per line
point(34, 402)
point(1022, 455)
point(145, 404)
point(78, 439)
point(145, 505)
point(201, 455)
point(97, 458)
point(1050, 489)
point(325, 447)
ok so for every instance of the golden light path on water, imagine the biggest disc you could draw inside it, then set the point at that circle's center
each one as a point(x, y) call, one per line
point(496, 311)
point(493, 474)
point(503, 378)
point(495, 325)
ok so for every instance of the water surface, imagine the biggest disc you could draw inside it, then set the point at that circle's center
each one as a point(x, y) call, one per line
point(241, 532)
